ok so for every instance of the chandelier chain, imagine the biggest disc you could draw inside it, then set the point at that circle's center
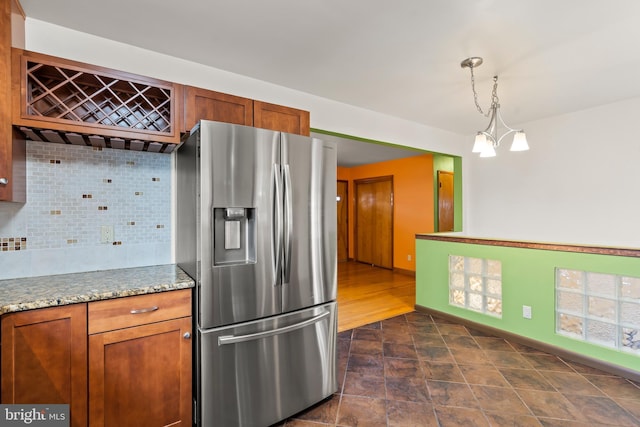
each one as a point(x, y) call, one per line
point(494, 94)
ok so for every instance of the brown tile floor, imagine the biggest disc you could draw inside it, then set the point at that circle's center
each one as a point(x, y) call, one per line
point(415, 370)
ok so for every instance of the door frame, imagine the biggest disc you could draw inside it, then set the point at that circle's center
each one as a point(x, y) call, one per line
point(441, 173)
point(346, 214)
point(372, 180)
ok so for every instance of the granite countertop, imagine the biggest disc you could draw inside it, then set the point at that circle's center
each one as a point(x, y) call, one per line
point(49, 291)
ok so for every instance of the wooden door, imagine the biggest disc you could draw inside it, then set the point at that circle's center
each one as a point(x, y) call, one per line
point(280, 118)
point(445, 201)
point(141, 376)
point(44, 358)
point(343, 220)
point(203, 104)
point(374, 221)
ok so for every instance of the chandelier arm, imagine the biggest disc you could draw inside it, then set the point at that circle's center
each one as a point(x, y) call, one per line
point(510, 130)
point(491, 131)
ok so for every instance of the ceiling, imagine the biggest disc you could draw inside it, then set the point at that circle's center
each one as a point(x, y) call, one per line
point(398, 58)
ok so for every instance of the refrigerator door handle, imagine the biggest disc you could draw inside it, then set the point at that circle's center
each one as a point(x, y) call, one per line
point(288, 236)
point(276, 235)
point(234, 339)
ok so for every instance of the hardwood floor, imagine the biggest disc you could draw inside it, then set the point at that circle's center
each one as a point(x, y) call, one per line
point(369, 294)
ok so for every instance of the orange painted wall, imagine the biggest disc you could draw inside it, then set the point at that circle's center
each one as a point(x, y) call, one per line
point(413, 206)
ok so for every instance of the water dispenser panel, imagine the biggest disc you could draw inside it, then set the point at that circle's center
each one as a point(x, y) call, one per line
point(234, 235)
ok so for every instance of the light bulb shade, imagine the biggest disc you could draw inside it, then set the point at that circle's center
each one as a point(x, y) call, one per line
point(519, 142)
point(480, 143)
point(488, 150)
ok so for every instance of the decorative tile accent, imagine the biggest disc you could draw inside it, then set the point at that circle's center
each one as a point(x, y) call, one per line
point(13, 244)
point(599, 308)
point(74, 190)
point(476, 284)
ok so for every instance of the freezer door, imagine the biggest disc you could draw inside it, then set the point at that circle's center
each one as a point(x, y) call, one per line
point(240, 225)
point(258, 373)
point(310, 237)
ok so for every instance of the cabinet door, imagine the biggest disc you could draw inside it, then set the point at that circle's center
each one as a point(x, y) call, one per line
point(44, 358)
point(141, 376)
point(280, 118)
point(203, 104)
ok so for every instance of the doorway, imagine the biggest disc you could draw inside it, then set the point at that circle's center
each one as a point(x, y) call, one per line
point(374, 221)
point(342, 193)
point(445, 201)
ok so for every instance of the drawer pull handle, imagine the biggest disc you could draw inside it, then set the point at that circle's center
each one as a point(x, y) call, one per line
point(144, 310)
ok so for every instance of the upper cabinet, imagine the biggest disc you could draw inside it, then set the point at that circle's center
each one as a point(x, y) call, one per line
point(203, 104)
point(59, 100)
point(12, 144)
point(277, 117)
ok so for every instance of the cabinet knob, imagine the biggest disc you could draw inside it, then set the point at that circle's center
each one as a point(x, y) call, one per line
point(4, 181)
point(187, 335)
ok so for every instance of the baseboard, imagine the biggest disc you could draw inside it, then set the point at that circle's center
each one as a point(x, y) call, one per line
point(547, 348)
point(404, 272)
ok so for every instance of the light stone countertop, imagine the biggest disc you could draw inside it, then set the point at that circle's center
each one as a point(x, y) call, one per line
point(49, 291)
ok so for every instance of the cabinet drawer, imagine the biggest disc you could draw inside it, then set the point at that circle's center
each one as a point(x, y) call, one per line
point(137, 310)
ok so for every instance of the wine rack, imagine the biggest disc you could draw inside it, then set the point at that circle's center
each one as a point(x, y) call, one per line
point(67, 102)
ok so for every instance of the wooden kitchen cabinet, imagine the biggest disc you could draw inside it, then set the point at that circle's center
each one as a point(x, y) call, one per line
point(12, 143)
point(44, 358)
point(203, 104)
point(280, 118)
point(140, 361)
point(64, 101)
point(118, 362)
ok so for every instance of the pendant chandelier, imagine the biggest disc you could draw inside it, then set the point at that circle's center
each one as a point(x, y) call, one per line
point(488, 140)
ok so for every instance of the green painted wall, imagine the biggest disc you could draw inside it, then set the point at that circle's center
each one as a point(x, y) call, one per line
point(528, 278)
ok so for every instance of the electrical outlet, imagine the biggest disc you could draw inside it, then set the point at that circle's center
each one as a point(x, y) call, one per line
point(408, 257)
point(106, 234)
point(526, 311)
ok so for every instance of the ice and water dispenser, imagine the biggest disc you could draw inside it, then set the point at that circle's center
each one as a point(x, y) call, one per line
point(234, 236)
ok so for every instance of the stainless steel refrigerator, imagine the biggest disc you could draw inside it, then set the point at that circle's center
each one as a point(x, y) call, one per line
point(256, 229)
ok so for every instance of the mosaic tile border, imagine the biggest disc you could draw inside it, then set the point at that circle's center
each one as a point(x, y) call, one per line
point(13, 244)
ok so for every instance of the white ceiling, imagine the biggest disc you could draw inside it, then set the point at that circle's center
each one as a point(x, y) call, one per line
point(400, 58)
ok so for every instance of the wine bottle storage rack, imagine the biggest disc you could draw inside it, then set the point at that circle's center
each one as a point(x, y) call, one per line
point(67, 94)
